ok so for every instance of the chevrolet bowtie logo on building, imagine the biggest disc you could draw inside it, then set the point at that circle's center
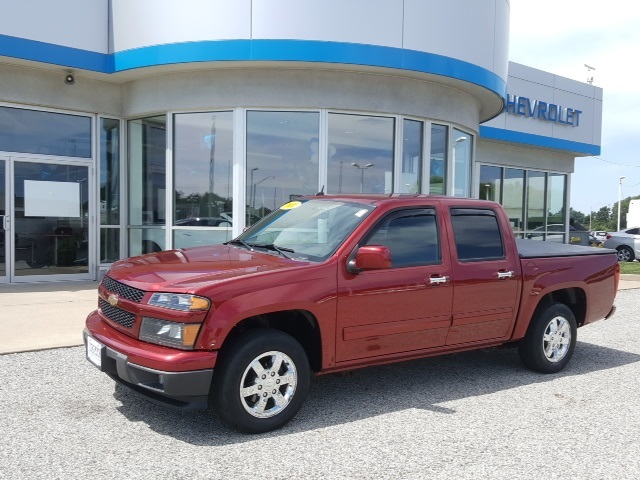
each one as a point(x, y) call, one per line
point(113, 299)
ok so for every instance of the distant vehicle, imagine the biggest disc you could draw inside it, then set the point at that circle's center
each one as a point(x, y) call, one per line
point(626, 242)
point(204, 222)
point(600, 234)
point(555, 233)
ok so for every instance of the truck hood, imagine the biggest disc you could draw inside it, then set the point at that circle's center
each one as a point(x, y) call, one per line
point(188, 269)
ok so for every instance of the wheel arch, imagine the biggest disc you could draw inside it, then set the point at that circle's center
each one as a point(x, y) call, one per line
point(302, 325)
point(574, 298)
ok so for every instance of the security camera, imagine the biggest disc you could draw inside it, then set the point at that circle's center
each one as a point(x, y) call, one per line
point(69, 79)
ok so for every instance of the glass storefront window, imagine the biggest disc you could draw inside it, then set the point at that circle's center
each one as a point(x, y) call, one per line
point(360, 154)
point(109, 245)
point(282, 159)
point(147, 178)
point(490, 183)
point(109, 171)
point(44, 133)
point(535, 201)
point(461, 152)
point(411, 157)
point(147, 171)
point(202, 177)
point(513, 197)
point(556, 190)
point(146, 240)
point(438, 163)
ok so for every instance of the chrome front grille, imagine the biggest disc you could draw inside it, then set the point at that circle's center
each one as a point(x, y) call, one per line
point(117, 315)
point(122, 290)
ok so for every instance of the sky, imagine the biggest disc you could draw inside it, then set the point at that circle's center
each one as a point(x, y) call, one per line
point(560, 37)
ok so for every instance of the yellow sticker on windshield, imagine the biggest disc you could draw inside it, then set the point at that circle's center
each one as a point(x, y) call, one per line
point(290, 205)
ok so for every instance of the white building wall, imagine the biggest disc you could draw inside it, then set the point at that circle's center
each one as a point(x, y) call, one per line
point(81, 24)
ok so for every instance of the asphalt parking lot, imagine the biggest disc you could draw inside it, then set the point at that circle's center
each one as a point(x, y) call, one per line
point(464, 416)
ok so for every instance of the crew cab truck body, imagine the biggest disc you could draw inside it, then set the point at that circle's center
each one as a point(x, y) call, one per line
point(331, 283)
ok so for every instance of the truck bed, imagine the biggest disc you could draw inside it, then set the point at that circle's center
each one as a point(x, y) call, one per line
point(539, 249)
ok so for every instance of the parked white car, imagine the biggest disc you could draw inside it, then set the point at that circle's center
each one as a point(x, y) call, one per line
point(626, 242)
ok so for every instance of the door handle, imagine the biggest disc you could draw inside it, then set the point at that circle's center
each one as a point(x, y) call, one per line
point(438, 280)
point(503, 275)
point(5, 222)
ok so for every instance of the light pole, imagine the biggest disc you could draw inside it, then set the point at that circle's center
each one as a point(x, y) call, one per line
point(253, 193)
point(362, 169)
point(619, 199)
point(487, 191)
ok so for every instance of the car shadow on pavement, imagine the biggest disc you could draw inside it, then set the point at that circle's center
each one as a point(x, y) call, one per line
point(348, 397)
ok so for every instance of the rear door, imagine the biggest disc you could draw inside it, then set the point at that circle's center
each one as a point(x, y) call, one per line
point(486, 285)
point(402, 308)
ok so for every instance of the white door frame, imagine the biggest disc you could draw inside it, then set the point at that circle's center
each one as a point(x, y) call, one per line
point(91, 229)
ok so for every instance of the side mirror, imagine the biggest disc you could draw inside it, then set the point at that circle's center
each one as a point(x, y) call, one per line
point(371, 257)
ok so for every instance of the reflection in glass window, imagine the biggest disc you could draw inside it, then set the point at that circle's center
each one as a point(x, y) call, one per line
point(360, 154)
point(109, 171)
point(146, 240)
point(438, 163)
point(490, 183)
point(202, 169)
point(45, 133)
point(109, 245)
point(411, 157)
point(461, 152)
point(556, 187)
point(147, 171)
point(512, 197)
point(282, 159)
point(535, 200)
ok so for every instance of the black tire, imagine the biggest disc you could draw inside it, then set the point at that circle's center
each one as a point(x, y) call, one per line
point(257, 402)
point(550, 340)
point(625, 254)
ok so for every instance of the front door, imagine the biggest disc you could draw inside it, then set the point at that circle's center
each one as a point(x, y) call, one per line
point(45, 218)
point(403, 308)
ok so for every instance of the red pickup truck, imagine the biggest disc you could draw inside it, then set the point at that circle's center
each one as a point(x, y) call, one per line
point(331, 283)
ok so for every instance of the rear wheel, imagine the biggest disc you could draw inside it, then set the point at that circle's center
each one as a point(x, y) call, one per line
point(625, 254)
point(261, 381)
point(551, 339)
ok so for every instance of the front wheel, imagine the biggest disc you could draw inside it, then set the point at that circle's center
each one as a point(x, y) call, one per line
point(625, 254)
point(261, 381)
point(551, 339)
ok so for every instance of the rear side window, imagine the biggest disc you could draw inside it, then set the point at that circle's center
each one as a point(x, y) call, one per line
point(410, 235)
point(477, 234)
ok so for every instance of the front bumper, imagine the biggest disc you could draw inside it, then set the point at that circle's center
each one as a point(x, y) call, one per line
point(181, 389)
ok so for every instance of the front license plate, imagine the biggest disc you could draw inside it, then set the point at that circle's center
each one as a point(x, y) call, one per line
point(94, 352)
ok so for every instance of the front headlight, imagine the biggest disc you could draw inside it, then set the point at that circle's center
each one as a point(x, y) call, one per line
point(169, 334)
point(180, 301)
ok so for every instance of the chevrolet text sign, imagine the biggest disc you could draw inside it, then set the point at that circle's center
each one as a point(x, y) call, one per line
point(540, 110)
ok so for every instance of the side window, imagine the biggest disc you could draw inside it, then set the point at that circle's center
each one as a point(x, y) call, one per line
point(477, 234)
point(410, 235)
point(633, 231)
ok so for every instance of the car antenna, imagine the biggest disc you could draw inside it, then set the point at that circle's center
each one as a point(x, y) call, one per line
point(321, 192)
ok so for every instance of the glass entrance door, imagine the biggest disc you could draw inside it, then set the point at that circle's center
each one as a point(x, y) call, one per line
point(4, 222)
point(49, 221)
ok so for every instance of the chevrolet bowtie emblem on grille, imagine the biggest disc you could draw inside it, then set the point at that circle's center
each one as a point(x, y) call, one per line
point(113, 299)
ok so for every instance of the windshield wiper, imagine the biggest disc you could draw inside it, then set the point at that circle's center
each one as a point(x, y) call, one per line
point(271, 246)
point(239, 242)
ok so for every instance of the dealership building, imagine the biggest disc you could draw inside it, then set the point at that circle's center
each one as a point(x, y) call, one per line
point(129, 127)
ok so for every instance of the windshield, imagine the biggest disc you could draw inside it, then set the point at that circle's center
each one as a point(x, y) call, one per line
point(306, 229)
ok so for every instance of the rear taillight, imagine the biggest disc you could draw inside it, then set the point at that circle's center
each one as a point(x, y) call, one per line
point(608, 236)
point(616, 276)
